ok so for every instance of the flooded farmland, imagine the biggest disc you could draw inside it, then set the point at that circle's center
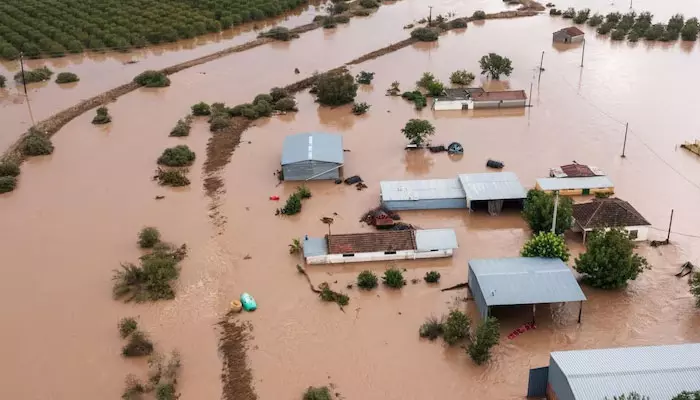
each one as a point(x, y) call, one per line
point(75, 214)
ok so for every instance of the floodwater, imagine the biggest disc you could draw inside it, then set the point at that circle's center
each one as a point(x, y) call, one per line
point(75, 215)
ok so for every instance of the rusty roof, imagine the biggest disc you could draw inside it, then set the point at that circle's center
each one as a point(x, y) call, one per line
point(572, 31)
point(607, 213)
point(372, 242)
point(577, 170)
point(500, 95)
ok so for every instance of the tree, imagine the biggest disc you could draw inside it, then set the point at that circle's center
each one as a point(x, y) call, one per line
point(335, 89)
point(479, 14)
point(2, 81)
point(486, 336)
point(547, 245)
point(360, 108)
point(364, 77)
point(655, 32)
point(36, 144)
point(7, 184)
point(462, 77)
point(367, 280)
point(630, 396)
point(695, 288)
point(539, 211)
point(424, 34)
point(102, 116)
point(317, 393)
point(595, 20)
point(425, 80)
point(436, 88)
point(456, 327)
point(688, 32)
point(609, 261)
point(148, 237)
point(687, 396)
point(494, 66)
point(201, 108)
point(393, 278)
point(418, 130)
point(66, 77)
point(152, 78)
point(178, 156)
point(582, 15)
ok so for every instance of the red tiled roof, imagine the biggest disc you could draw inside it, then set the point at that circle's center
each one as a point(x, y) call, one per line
point(577, 170)
point(372, 242)
point(573, 31)
point(500, 95)
point(607, 213)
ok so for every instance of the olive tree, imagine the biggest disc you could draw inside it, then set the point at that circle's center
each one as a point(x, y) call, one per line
point(335, 89)
point(695, 287)
point(418, 130)
point(687, 395)
point(547, 245)
point(494, 66)
point(539, 211)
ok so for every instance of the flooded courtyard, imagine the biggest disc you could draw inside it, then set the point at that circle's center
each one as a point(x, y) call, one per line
point(75, 214)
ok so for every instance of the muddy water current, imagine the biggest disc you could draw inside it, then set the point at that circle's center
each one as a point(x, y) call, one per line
point(75, 215)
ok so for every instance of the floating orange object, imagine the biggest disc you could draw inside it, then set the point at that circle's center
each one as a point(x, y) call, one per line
point(274, 197)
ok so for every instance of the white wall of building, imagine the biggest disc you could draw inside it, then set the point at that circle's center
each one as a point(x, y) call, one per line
point(377, 256)
point(642, 232)
point(445, 105)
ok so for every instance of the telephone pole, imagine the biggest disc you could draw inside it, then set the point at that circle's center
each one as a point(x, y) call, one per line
point(530, 105)
point(540, 73)
point(554, 217)
point(624, 144)
point(21, 65)
point(430, 15)
point(583, 53)
point(668, 236)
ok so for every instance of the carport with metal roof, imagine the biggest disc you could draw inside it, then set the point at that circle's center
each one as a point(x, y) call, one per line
point(494, 188)
point(312, 156)
point(522, 281)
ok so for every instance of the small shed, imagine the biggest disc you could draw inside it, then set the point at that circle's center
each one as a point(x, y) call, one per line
point(568, 35)
point(312, 156)
point(492, 189)
point(522, 280)
point(576, 186)
point(432, 194)
point(476, 98)
point(609, 213)
point(654, 372)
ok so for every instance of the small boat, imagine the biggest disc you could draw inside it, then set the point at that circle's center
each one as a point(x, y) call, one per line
point(248, 302)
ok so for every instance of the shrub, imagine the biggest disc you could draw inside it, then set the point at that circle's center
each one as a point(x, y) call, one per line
point(618, 34)
point(479, 14)
point(139, 345)
point(360, 108)
point(338, 8)
point(237, 111)
point(250, 112)
point(456, 327)
point(495, 65)
point(201, 108)
point(487, 336)
point(133, 389)
point(364, 77)
point(605, 28)
point(36, 144)
point(688, 32)
point(458, 23)
point(127, 326)
point(424, 34)
point(148, 237)
point(280, 33)
point(547, 245)
point(655, 32)
point(431, 329)
point(425, 80)
point(582, 15)
point(35, 75)
point(182, 127)
point(335, 89)
point(67, 77)
point(367, 280)
point(432, 277)
point(462, 77)
point(219, 122)
point(166, 391)
point(278, 94)
point(102, 116)
point(613, 17)
point(418, 130)
point(609, 261)
point(539, 210)
point(292, 206)
point(178, 156)
point(263, 97)
point(152, 78)
point(555, 12)
point(286, 104)
point(369, 3)
point(393, 278)
point(151, 280)
point(9, 168)
point(318, 393)
point(7, 184)
point(2, 81)
point(569, 13)
point(436, 88)
point(595, 20)
point(362, 12)
point(174, 178)
point(329, 23)
point(329, 295)
point(633, 36)
point(295, 247)
point(303, 192)
point(263, 108)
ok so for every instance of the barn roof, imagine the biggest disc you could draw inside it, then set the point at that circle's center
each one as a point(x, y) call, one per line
point(370, 242)
point(572, 31)
point(607, 213)
point(428, 189)
point(492, 186)
point(313, 146)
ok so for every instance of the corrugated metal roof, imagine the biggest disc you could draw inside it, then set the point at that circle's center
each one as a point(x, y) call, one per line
point(492, 186)
point(525, 280)
point(315, 146)
point(315, 247)
point(421, 190)
point(659, 372)
point(435, 239)
point(589, 182)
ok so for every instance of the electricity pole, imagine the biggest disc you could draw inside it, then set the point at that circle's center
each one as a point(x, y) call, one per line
point(554, 217)
point(540, 73)
point(668, 236)
point(530, 105)
point(21, 64)
point(624, 144)
point(583, 53)
point(430, 15)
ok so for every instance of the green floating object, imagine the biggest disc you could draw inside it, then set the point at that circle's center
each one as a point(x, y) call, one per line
point(248, 302)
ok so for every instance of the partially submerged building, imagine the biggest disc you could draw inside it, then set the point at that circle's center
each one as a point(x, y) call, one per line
point(609, 213)
point(522, 281)
point(478, 98)
point(568, 35)
point(312, 156)
point(488, 190)
point(380, 246)
point(575, 170)
point(654, 372)
point(576, 186)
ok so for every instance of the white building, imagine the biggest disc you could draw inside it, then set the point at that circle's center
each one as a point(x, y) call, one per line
point(478, 98)
point(609, 213)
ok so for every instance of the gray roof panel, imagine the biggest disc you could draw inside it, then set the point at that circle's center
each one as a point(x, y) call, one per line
point(315, 146)
point(315, 247)
point(492, 186)
point(525, 280)
point(435, 239)
point(421, 190)
point(589, 182)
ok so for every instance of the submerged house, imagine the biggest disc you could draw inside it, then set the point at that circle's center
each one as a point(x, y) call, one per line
point(609, 213)
point(576, 186)
point(380, 246)
point(568, 35)
point(478, 98)
point(575, 170)
point(312, 156)
point(654, 372)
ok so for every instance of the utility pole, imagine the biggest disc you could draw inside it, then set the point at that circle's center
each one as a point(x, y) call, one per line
point(624, 144)
point(540, 73)
point(583, 53)
point(554, 217)
point(430, 15)
point(630, 4)
point(668, 236)
point(530, 105)
point(21, 64)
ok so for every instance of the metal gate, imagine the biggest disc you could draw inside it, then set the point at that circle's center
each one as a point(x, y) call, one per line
point(537, 384)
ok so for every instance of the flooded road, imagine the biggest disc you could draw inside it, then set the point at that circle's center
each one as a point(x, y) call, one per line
point(75, 215)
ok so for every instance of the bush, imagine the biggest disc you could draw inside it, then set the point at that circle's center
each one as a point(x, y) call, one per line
point(555, 12)
point(456, 327)
point(2, 81)
point(362, 12)
point(595, 20)
point(201, 108)
point(605, 28)
point(539, 210)
point(418, 130)
point(127, 326)
point(458, 23)
point(424, 34)
point(613, 17)
point(263, 108)
point(9, 168)
point(364, 77)
point(182, 127)
point(338, 8)
point(36, 144)
point(431, 329)
point(148, 237)
point(618, 34)
point(292, 206)
point(152, 279)
point(219, 122)
point(335, 89)
point(278, 94)
point(280, 33)
point(329, 295)
point(393, 278)
point(174, 178)
point(329, 23)
point(178, 156)
point(367, 280)
point(250, 112)
point(416, 97)
point(425, 80)
point(152, 78)
point(7, 184)
point(582, 15)
point(633, 36)
point(295, 247)
point(166, 391)
point(495, 65)
point(286, 104)
point(102, 116)
point(263, 97)
point(318, 393)
point(569, 13)
point(139, 345)
point(237, 111)
point(303, 192)
point(360, 108)
point(479, 14)
point(436, 88)
point(432, 277)
point(609, 261)
point(688, 32)
point(462, 77)
point(36, 75)
point(369, 3)
point(67, 77)
point(547, 245)
point(487, 336)
point(655, 32)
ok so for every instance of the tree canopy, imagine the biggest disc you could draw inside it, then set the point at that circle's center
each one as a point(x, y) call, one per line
point(547, 245)
point(418, 130)
point(494, 66)
point(539, 211)
point(335, 89)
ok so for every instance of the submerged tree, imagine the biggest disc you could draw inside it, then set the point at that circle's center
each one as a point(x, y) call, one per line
point(418, 130)
point(486, 336)
point(335, 89)
point(539, 212)
point(547, 245)
point(494, 65)
point(695, 287)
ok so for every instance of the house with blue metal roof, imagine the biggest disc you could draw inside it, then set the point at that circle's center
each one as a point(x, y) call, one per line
point(654, 372)
point(312, 156)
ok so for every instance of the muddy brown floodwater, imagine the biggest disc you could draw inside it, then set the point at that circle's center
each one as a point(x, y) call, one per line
point(75, 215)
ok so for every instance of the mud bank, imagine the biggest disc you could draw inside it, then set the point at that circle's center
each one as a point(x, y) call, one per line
point(235, 373)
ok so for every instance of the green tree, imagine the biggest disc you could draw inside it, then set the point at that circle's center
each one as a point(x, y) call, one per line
point(687, 396)
point(479, 14)
point(436, 88)
point(2, 81)
point(486, 336)
point(148, 237)
point(425, 80)
point(609, 261)
point(547, 245)
point(695, 288)
point(630, 396)
point(494, 66)
point(595, 20)
point(201, 108)
point(456, 327)
point(462, 77)
point(539, 211)
point(317, 393)
point(335, 89)
point(66, 77)
point(582, 15)
point(424, 34)
point(393, 277)
point(178, 156)
point(367, 280)
point(418, 130)
point(690, 30)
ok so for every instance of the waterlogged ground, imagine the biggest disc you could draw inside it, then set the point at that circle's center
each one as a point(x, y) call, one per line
point(75, 215)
